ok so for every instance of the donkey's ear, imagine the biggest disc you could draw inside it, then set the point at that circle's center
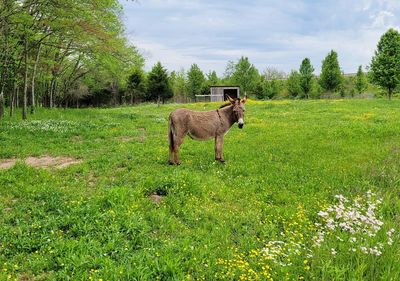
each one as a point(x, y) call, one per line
point(231, 100)
point(244, 99)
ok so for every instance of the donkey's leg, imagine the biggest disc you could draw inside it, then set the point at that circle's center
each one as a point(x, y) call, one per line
point(171, 138)
point(171, 156)
point(219, 140)
point(177, 144)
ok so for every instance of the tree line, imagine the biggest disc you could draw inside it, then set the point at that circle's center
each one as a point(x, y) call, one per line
point(57, 53)
point(382, 75)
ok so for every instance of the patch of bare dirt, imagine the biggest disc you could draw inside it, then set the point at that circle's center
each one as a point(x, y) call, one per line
point(140, 138)
point(125, 138)
point(42, 162)
point(51, 162)
point(91, 180)
point(7, 163)
point(156, 198)
point(76, 139)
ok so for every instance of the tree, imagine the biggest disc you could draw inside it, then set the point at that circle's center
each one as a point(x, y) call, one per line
point(229, 70)
point(260, 89)
point(272, 82)
point(245, 75)
point(271, 73)
point(158, 84)
point(195, 81)
point(212, 78)
point(273, 88)
point(135, 86)
point(361, 81)
point(385, 64)
point(306, 77)
point(331, 76)
point(178, 84)
point(293, 84)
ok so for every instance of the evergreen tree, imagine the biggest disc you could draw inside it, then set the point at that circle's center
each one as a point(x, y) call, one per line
point(306, 77)
point(385, 64)
point(361, 81)
point(331, 76)
point(158, 84)
point(135, 86)
point(196, 80)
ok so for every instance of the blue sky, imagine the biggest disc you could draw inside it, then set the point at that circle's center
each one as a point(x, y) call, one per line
point(270, 33)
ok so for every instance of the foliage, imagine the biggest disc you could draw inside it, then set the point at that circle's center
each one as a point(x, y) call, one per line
point(385, 64)
point(260, 89)
point(331, 75)
point(306, 77)
point(136, 85)
point(179, 84)
point(212, 79)
point(61, 51)
point(271, 73)
point(361, 83)
point(245, 75)
point(195, 81)
point(293, 84)
point(273, 88)
point(158, 84)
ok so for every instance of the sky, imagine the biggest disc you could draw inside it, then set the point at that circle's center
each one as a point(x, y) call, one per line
point(277, 33)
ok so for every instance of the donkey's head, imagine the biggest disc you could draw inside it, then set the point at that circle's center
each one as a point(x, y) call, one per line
point(238, 110)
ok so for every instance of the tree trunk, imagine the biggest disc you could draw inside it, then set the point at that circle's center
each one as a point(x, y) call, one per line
point(2, 102)
point(17, 97)
point(33, 80)
point(25, 100)
point(12, 100)
point(158, 101)
point(52, 90)
point(390, 93)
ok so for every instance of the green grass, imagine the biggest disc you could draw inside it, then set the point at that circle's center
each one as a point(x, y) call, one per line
point(94, 220)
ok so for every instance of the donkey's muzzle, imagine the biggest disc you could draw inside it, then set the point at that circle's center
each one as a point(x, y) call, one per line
point(240, 123)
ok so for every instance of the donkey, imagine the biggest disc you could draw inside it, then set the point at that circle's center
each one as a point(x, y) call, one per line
point(204, 126)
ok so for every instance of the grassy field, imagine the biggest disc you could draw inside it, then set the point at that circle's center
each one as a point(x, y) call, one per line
point(270, 213)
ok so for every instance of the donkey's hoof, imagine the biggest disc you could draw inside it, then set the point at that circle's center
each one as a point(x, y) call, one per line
point(171, 163)
point(178, 163)
point(222, 161)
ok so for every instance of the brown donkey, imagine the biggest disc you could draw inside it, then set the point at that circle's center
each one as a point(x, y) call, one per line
point(204, 126)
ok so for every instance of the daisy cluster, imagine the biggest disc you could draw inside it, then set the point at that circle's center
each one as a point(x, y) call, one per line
point(55, 126)
point(353, 222)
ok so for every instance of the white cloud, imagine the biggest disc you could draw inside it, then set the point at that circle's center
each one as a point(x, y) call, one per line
point(270, 33)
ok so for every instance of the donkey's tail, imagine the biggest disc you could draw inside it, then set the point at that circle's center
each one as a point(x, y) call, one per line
point(171, 133)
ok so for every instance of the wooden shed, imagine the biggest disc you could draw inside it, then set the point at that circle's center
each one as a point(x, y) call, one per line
point(220, 93)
